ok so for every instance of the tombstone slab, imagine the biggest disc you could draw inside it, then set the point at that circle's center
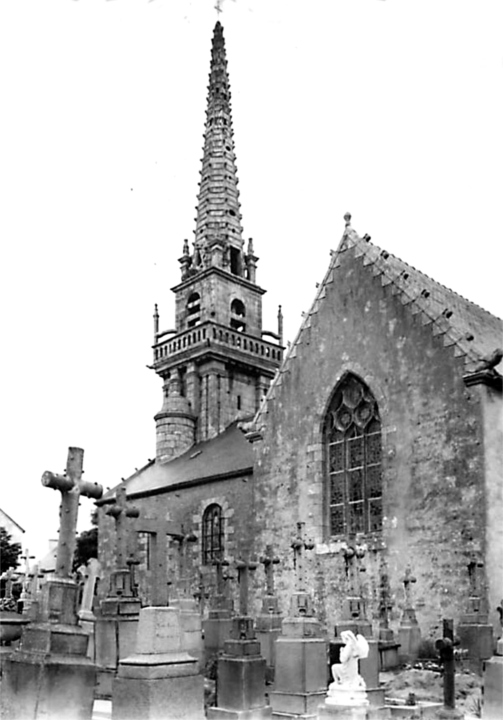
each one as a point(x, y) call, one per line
point(493, 685)
point(161, 679)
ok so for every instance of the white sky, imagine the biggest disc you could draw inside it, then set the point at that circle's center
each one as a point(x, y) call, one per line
point(390, 109)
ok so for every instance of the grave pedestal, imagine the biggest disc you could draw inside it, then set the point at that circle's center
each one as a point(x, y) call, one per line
point(409, 637)
point(268, 630)
point(160, 680)
point(241, 676)
point(115, 638)
point(217, 627)
point(493, 685)
point(301, 667)
point(477, 639)
point(388, 649)
point(191, 627)
point(50, 675)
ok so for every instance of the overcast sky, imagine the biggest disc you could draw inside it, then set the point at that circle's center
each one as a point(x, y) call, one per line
point(390, 109)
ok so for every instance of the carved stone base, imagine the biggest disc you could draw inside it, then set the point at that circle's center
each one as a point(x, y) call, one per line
point(346, 697)
point(341, 712)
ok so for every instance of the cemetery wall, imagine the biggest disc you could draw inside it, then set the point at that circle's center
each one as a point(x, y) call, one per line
point(433, 459)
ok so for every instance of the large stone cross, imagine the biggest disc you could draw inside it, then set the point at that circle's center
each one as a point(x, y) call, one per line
point(244, 569)
point(268, 561)
point(27, 557)
point(121, 510)
point(159, 529)
point(71, 487)
point(445, 648)
point(298, 546)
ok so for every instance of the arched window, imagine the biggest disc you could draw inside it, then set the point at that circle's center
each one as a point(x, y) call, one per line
point(213, 535)
point(353, 446)
point(238, 312)
point(193, 309)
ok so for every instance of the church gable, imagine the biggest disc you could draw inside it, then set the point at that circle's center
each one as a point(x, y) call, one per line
point(411, 360)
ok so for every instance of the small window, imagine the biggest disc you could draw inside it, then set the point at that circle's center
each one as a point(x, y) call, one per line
point(193, 310)
point(239, 402)
point(235, 261)
point(213, 537)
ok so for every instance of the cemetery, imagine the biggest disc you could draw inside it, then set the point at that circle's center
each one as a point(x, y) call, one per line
point(317, 537)
point(66, 654)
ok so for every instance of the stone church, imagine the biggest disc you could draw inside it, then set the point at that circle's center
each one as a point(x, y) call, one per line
point(379, 428)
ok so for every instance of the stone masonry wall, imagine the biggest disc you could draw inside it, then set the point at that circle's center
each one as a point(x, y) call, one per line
point(186, 507)
point(433, 466)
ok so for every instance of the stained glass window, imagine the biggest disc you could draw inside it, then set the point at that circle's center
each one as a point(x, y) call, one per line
point(213, 538)
point(353, 459)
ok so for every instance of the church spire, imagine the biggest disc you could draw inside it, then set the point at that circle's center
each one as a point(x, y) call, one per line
point(218, 233)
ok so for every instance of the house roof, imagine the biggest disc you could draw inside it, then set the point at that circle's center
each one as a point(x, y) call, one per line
point(473, 332)
point(227, 455)
point(8, 517)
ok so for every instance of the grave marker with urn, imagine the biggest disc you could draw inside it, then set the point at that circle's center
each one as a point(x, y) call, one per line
point(50, 674)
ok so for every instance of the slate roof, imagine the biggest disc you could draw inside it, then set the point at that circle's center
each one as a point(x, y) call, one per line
point(227, 455)
point(473, 332)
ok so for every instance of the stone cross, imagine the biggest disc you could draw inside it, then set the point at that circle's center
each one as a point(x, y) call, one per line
point(71, 487)
point(445, 648)
point(351, 557)
point(268, 561)
point(298, 546)
point(10, 578)
point(121, 510)
point(27, 557)
point(407, 581)
point(159, 530)
point(220, 578)
point(244, 569)
point(385, 604)
point(183, 561)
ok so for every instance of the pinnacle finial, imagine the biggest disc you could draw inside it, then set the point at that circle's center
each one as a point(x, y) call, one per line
point(347, 218)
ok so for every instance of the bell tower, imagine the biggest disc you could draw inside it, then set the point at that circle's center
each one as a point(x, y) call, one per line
point(216, 364)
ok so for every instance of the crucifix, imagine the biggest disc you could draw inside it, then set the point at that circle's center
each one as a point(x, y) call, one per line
point(220, 577)
point(71, 487)
point(27, 557)
point(184, 576)
point(159, 530)
point(121, 510)
point(298, 546)
point(268, 561)
point(244, 569)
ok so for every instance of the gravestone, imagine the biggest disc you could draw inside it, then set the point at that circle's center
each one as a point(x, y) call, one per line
point(493, 685)
point(387, 644)
point(117, 617)
point(190, 615)
point(445, 649)
point(241, 668)
point(474, 630)
point(160, 679)
point(268, 624)
point(87, 618)
point(217, 627)
point(301, 650)
point(409, 632)
point(354, 619)
point(50, 675)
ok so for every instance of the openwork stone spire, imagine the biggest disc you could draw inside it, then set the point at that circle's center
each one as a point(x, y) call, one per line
point(218, 233)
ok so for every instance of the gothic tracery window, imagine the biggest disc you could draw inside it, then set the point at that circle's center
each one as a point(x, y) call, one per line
point(353, 460)
point(213, 536)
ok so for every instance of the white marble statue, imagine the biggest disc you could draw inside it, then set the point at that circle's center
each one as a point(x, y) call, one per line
point(349, 687)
